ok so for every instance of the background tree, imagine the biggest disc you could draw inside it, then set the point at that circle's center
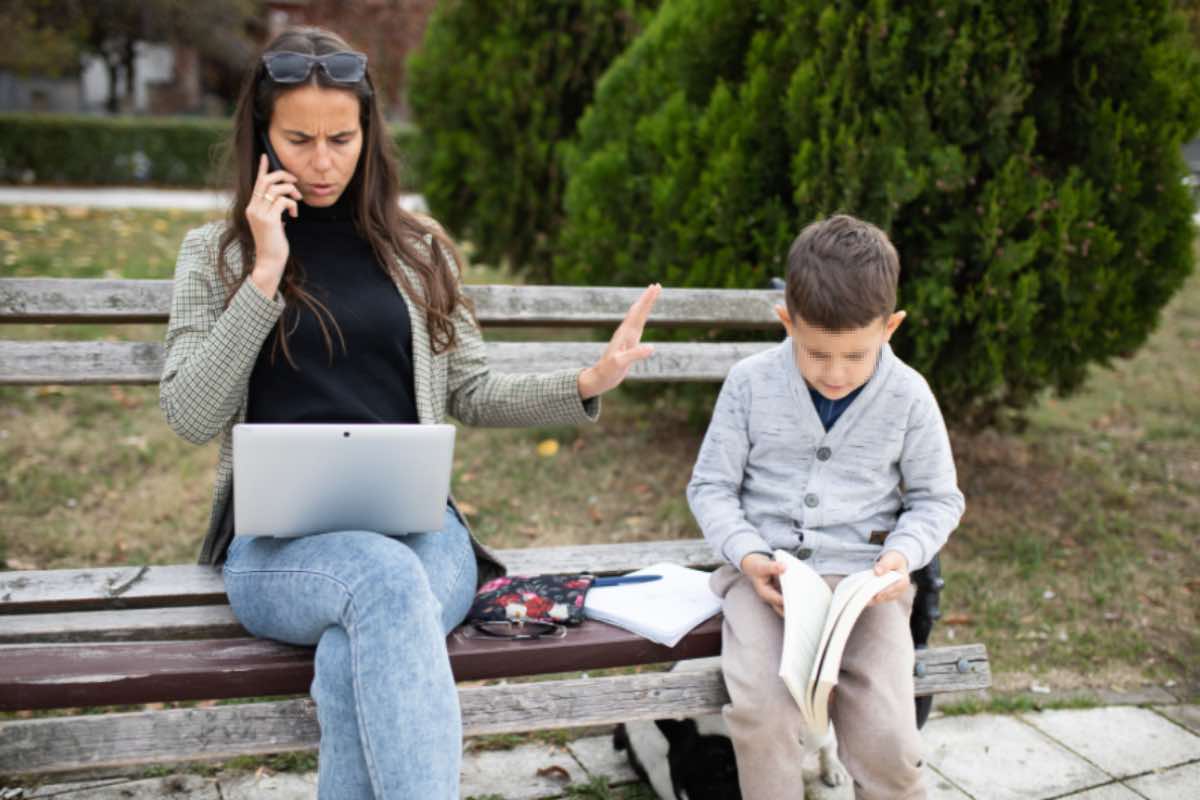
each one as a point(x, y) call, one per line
point(496, 89)
point(1024, 156)
point(50, 36)
point(39, 38)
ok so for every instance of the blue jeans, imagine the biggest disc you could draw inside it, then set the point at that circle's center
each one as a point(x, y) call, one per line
point(378, 608)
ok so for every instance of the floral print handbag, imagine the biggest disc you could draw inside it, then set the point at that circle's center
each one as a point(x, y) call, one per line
point(554, 598)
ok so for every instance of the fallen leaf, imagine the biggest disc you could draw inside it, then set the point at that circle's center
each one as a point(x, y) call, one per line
point(578, 444)
point(596, 515)
point(124, 399)
point(958, 619)
point(547, 448)
point(554, 772)
point(466, 477)
point(466, 508)
point(19, 563)
point(642, 489)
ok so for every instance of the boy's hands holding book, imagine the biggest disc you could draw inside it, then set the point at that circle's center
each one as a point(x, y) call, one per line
point(764, 573)
point(891, 561)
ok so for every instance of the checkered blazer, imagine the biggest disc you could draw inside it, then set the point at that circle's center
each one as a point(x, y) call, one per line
point(211, 349)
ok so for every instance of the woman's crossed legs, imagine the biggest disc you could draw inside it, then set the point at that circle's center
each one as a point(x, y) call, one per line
point(378, 608)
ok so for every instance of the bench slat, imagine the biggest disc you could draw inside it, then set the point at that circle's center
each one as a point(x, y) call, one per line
point(64, 743)
point(191, 585)
point(54, 300)
point(129, 625)
point(103, 362)
point(67, 675)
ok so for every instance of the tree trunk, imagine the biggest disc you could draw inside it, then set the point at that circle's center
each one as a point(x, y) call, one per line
point(129, 55)
point(113, 104)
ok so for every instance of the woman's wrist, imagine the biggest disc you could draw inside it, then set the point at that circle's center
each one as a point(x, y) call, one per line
point(587, 384)
point(267, 281)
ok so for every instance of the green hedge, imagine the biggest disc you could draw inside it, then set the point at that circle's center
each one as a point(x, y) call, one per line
point(1024, 156)
point(497, 87)
point(98, 150)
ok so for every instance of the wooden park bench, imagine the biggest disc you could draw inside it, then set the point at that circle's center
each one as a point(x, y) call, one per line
point(75, 638)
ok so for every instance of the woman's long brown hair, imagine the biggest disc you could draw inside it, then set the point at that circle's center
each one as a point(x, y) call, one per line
point(375, 189)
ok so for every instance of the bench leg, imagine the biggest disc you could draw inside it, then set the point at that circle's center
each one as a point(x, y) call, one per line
point(926, 610)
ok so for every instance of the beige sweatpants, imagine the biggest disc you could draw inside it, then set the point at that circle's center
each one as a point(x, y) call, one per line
point(873, 713)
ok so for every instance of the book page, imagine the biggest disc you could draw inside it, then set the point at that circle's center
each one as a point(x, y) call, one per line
point(849, 599)
point(663, 610)
point(806, 600)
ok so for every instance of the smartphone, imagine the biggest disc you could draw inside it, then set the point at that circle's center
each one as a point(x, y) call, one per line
point(273, 164)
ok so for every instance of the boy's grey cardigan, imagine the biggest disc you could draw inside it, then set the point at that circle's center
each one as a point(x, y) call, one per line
point(769, 475)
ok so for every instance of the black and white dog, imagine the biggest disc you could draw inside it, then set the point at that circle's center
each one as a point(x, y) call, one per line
point(692, 759)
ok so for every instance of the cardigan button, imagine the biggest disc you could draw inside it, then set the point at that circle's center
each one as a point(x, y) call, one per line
point(824, 453)
point(811, 500)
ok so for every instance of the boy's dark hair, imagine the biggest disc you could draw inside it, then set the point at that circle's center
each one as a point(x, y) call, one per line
point(842, 274)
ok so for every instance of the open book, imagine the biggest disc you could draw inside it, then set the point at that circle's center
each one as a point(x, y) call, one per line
point(816, 625)
point(663, 611)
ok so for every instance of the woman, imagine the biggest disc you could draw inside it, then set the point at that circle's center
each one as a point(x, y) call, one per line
point(352, 312)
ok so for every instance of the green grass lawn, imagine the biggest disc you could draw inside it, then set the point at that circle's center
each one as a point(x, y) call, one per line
point(1075, 563)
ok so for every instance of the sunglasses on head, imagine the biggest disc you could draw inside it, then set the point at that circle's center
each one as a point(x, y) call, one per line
point(287, 67)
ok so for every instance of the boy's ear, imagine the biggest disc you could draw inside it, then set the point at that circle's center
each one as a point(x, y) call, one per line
point(893, 322)
point(781, 312)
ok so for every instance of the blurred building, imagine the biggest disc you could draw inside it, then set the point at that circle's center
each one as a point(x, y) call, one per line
point(179, 79)
point(166, 81)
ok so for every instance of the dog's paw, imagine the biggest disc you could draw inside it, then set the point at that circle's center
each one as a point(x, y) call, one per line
point(833, 774)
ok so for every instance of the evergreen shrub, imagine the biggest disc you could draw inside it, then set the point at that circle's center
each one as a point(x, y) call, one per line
point(496, 87)
point(100, 150)
point(84, 149)
point(1024, 157)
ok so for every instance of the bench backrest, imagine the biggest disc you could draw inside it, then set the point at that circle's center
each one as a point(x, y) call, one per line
point(108, 302)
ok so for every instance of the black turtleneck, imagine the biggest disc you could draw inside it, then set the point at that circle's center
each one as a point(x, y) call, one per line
point(371, 378)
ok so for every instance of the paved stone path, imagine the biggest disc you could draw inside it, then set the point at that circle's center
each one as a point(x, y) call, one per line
point(133, 197)
point(1107, 753)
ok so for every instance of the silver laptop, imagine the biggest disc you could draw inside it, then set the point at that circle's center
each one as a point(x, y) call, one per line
point(297, 480)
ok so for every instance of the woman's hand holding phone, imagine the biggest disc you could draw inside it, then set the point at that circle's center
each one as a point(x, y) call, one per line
point(273, 194)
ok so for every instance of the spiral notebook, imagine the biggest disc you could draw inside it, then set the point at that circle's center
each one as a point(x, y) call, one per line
point(662, 611)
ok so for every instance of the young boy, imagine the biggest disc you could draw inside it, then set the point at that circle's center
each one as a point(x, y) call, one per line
point(830, 447)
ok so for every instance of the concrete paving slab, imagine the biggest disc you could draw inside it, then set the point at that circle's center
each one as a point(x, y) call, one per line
point(1186, 715)
point(281, 786)
point(1122, 740)
point(1170, 784)
point(1113, 791)
point(527, 772)
point(939, 787)
point(68, 789)
point(176, 787)
point(598, 757)
point(1001, 758)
